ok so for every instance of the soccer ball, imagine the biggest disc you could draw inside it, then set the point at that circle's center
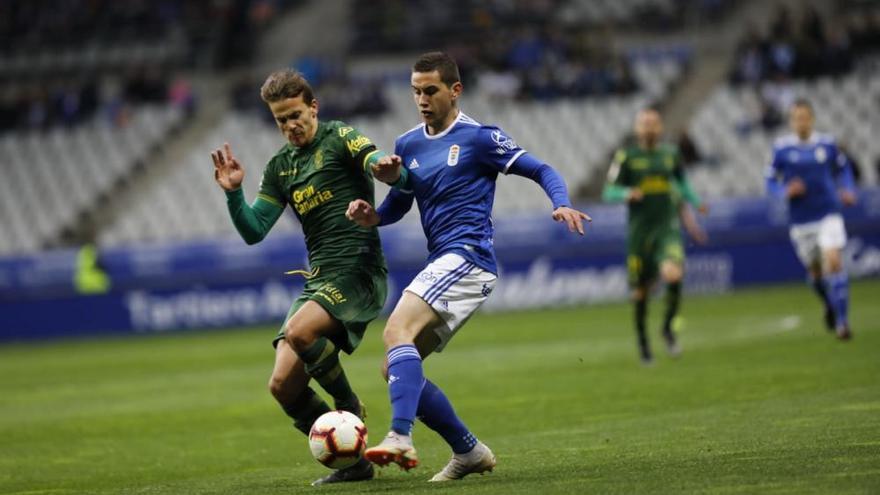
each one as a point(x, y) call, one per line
point(338, 439)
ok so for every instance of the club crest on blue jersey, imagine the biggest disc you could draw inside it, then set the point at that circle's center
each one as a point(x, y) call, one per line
point(452, 158)
point(821, 154)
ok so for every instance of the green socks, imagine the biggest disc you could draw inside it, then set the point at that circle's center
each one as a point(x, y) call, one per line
point(306, 409)
point(322, 364)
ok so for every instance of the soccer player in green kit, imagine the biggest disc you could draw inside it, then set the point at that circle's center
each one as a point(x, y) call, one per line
point(323, 167)
point(650, 178)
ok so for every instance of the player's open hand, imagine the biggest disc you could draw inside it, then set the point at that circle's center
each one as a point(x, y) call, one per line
point(362, 213)
point(573, 218)
point(848, 198)
point(795, 188)
point(228, 172)
point(387, 168)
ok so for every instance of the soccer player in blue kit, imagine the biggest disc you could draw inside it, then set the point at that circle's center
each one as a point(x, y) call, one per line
point(448, 165)
point(808, 170)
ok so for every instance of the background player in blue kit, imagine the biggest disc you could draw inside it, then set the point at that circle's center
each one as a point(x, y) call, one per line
point(448, 164)
point(815, 177)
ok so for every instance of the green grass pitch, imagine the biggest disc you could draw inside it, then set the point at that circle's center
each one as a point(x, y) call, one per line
point(763, 401)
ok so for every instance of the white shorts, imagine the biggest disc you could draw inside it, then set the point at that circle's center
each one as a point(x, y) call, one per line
point(455, 288)
point(811, 239)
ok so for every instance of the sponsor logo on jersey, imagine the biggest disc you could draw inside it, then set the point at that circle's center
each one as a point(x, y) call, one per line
point(821, 154)
point(414, 164)
point(639, 163)
point(452, 158)
point(345, 130)
point(306, 199)
point(331, 294)
point(654, 184)
point(357, 144)
point(285, 173)
point(503, 143)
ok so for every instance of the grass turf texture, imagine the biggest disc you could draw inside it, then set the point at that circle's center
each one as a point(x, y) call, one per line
point(763, 401)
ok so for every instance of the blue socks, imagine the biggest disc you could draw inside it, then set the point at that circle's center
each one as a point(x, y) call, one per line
point(412, 394)
point(838, 285)
point(405, 382)
point(437, 414)
point(820, 285)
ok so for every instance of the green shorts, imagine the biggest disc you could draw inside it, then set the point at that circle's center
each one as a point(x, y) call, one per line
point(354, 297)
point(646, 252)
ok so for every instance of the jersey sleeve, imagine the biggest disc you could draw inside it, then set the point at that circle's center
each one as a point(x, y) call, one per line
point(498, 150)
point(356, 149)
point(618, 180)
point(774, 173)
point(270, 189)
point(684, 185)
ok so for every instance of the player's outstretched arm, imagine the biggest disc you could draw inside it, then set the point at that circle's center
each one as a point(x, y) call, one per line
point(554, 186)
point(691, 226)
point(253, 222)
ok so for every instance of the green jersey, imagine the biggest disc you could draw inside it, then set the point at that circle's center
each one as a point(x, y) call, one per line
point(658, 174)
point(318, 181)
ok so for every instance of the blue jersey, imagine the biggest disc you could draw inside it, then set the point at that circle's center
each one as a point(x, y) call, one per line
point(819, 164)
point(452, 178)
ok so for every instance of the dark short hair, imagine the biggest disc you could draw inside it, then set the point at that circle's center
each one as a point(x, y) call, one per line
point(803, 103)
point(286, 83)
point(441, 62)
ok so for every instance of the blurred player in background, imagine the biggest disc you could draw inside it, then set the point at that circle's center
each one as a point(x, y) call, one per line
point(808, 170)
point(649, 176)
point(450, 164)
point(323, 167)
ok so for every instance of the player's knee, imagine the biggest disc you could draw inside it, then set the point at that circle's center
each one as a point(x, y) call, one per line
point(276, 387)
point(298, 338)
point(396, 333)
point(672, 273)
point(832, 262)
point(638, 294)
point(385, 369)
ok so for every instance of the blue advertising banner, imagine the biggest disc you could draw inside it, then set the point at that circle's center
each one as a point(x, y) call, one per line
point(225, 283)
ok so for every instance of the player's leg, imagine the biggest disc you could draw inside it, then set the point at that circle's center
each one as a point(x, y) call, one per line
point(672, 273)
point(289, 384)
point(832, 239)
point(308, 332)
point(805, 239)
point(405, 379)
point(640, 288)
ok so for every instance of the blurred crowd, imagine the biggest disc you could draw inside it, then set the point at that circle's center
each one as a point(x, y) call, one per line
point(341, 95)
point(66, 102)
point(806, 46)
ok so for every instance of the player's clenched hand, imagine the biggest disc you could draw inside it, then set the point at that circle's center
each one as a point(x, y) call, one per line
point(635, 195)
point(795, 187)
point(573, 218)
point(228, 172)
point(848, 198)
point(362, 213)
point(387, 168)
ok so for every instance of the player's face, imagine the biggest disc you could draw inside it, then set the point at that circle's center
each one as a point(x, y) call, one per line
point(296, 120)
point(801, 121)
point(648, 127)
point(436, 100)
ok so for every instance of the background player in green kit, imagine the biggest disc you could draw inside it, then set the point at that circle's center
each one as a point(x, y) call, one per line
point(323, 167)
point(650, 178)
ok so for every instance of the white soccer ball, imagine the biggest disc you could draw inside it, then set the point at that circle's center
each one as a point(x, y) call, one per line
point(338, 439)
